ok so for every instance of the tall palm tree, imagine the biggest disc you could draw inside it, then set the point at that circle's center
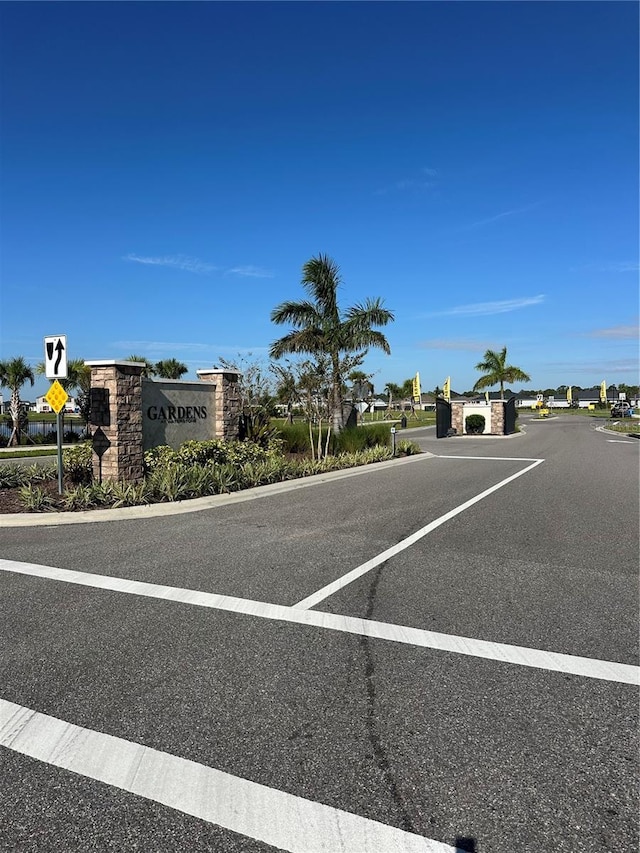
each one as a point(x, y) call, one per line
point(497, 371)
point(170, 368)
point(320, 328)
point(14, 373)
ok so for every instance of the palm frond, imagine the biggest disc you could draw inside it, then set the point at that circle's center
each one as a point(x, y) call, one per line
point(371, 313)
point(363, 338)
point(485, 382)
point(321, 278)
point(514, 374)
point(297, 314)
point(302, 341)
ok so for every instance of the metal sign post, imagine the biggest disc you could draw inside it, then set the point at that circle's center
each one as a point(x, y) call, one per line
point(56, 397)
point(55, 367)
point(59, 439)
point(393, 440)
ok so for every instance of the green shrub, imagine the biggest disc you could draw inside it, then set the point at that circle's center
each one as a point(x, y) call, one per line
point(199, 453)
point(35, 499)
point(256, 426)
point(77, 463)
point(79, 498)
point(41, 472)
point(295, 438)
point(407, 448)
point(474, 424)
point(13, 475)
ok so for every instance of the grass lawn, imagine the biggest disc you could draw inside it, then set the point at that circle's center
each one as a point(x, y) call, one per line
point(21, 453)
point(629, 426)
point(420, 419)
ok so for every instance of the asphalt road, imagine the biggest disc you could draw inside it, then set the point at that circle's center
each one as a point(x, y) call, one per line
point(437, 733)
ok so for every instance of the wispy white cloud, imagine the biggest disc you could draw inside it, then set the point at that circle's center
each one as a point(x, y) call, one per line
point(173, 348)
point(617, 333)
point(161, 346)
point(180, 262)
point(610, 266)
point(505, 214)
point(251, 272)
point(596, 368)
point(461, 344)
point(422, 181)
point(487, 308)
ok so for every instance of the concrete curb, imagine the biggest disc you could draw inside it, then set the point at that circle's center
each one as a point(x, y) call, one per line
point(132, 513)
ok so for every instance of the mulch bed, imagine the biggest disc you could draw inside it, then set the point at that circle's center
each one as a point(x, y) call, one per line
point(10, 498)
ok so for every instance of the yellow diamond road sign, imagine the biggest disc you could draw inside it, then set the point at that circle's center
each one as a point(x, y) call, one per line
point(56, 397)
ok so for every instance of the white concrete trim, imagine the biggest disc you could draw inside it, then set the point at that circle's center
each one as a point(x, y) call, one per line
point(110, 362)
point(520, 655)
point(274, 817)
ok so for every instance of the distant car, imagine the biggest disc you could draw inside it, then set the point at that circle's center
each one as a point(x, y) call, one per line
point(621, 410)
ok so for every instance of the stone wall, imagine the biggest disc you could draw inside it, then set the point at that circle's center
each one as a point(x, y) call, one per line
point(493, 426)
point(228, 401)
point(116, 409)
point(497, 417)
point(116, 416)
point(457, 417)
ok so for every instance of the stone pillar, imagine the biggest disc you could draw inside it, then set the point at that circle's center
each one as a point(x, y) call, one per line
point(457, 417)
point(116, 410)
point(228, 401)
point(497, 417)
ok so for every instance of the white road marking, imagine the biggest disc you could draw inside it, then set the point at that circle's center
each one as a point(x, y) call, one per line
point(494, 458)
point(519, 655)
point(619, 441)
point(354, 574)
point(274, 817)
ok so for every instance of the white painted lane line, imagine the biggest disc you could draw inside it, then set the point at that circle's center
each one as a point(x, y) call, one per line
point(274, 817)
point(619, 441)
point(520, 655)
point(494, 458)
point(354, 574)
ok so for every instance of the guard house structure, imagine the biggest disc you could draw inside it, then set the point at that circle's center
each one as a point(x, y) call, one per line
point(499, 416)
point(131, 413)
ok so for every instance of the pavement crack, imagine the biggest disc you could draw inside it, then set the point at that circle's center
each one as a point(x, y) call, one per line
point(373, 733)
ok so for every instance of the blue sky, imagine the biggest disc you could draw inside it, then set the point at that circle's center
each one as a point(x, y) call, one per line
point(167, 168)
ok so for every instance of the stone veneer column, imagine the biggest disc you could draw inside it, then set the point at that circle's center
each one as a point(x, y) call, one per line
point(116, 408)
point(457, 417)
point(497, 417)
point(228, 401)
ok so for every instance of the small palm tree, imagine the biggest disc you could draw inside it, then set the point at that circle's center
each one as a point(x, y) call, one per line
point(170, 368)
point(149, 368)
point(497, 371)
point(321, 329)
point(14, 373)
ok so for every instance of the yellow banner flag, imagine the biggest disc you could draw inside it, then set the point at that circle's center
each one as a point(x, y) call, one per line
point(486, 396)
point(446, 391)
point(569, 394)
point(603, 391)
point(416, 388)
